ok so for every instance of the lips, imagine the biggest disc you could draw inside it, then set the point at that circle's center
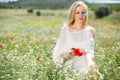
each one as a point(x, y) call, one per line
point(81, 18)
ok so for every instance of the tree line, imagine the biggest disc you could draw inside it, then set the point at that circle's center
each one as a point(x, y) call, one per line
point(51, 4)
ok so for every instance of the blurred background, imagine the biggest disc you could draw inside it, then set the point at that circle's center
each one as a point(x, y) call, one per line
point(29, 30)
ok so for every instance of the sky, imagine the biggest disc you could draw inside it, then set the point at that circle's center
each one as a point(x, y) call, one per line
point(7, 0)
point(95, 1)
point(104, 1)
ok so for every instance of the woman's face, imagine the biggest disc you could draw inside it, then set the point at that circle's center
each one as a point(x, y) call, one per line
point(80, 14)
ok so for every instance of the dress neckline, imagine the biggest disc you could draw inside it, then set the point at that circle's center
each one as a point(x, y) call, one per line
point(67, 28)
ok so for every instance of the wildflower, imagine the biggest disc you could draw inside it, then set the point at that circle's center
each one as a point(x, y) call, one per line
point(110, 37)
point(1, 45)
point(38, 59)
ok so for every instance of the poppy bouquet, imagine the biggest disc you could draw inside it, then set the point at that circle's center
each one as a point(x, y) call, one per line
point(76, 52)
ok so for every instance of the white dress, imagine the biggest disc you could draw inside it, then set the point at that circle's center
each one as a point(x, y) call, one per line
point(81, 39)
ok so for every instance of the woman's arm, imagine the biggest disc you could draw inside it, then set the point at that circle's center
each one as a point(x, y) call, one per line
point(89, 55)
point(89, 60)
point(93, 32)
point(59, 53)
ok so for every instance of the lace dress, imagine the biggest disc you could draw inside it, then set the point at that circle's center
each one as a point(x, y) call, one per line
point(81, 39)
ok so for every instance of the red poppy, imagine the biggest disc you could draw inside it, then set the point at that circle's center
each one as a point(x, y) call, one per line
point(1, 46)
point(38, 59)
point(77, 52)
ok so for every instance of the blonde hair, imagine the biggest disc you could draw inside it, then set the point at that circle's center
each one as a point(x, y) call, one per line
point(71, 17)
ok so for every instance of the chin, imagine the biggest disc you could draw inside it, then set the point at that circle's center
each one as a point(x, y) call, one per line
point(80, 20)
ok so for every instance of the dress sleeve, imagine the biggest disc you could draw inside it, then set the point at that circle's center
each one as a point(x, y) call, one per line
point(90, 45)
point(59, 48)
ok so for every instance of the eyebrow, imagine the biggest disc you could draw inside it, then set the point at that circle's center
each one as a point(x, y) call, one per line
point(80, 11)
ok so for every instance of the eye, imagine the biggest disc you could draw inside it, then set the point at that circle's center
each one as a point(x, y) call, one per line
point(83, 13)
point(77, 12)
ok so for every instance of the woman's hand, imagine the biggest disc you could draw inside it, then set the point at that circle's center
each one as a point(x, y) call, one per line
point(94, 71)
point(66, 56)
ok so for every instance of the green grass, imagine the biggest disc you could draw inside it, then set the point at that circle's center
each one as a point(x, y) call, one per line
point(27, 36)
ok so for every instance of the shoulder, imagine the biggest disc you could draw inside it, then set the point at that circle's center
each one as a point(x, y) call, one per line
point(92, 31)
point(64, 27)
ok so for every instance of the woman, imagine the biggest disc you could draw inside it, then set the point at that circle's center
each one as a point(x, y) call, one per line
point(76, 34)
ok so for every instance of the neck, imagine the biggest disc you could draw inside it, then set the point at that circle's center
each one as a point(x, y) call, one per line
point(77, 25)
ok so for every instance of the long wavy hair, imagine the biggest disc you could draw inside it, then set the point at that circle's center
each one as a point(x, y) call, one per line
point(71, 16)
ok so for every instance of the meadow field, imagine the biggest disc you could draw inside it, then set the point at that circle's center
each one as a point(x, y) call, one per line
point(27, 42)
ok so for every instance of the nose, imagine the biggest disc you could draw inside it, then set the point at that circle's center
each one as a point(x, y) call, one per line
point(80, 14)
